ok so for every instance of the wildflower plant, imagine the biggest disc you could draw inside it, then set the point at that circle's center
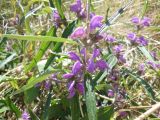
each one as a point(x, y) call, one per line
point(79, 68)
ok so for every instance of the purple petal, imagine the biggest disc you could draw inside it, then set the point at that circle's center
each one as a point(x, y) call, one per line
point(25, 116)
point(47, 85)
point(110, 93)
point(92, 15)
point(71, 85)
point(152, 64)
point(96, 21)
point(141, 67)
point(132, 37)
point(56, 15)
point(91, 66)
point(146, 21)
point(71, 93)
point(118, 48)
point(83, 52)
point(110, 38)
point(142, 41)
point(76, 68)
point(68, 75)
point(73, 56)
point(96, 53)
point(121, 59)
point(82, 14)
point(101, 65)
point(76, 7)
point(80, 88)
point(135, 20)
point(78, 33)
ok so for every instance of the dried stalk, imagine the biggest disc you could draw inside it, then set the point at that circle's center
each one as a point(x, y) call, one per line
point(148, 112)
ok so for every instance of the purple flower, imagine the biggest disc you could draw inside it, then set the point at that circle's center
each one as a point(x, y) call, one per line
point(141, 67)
point(56, 16)
point(146, 21)
point(121, 59)
point(47, 85)
point(83, 52)
point(80, 88)
point(76, 67)
point(82, 14)
point(110, 93)
point(73, 56)
point(142, 41)
point(118, 48)
point(71, 89)
point(122, 114)
point(79, 32)
point(110, 38)
point(135, 20)
point(25, 115)
point(153, 54)
point(101, 65)
point(132, 37)
point(68, 75)
point(92, 15)
point(96, 53)
point(96, 21)
point(76, 7)
point(152, 64)
point(91, 66)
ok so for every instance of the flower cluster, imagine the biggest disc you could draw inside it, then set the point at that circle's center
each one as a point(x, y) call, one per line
point(118, 51)
point(140, 23)
point(78, 9)
point(82, 65)
point(80, 32)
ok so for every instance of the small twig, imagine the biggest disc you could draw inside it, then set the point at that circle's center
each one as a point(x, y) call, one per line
point(104, 97)
point(148, 112)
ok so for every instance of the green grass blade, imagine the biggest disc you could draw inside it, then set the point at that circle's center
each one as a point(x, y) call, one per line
point(38, 38)
point(44, 46)
point(75, 110)
point(144, 84)
point(146, 53)
point(32, 82)
point(7, 60)
point(58, 46)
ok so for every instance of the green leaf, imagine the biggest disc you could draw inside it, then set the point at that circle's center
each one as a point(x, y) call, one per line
point(44, 46)
point(105, 113)
point(144, 83)
point(13, 107)
point(31, 94)
point(38, 38)
point(33, 81)
point(90, 99)
point(57, 48)
point(146, 53)
point(7, 60)
point(75, 110)
point(58, 5)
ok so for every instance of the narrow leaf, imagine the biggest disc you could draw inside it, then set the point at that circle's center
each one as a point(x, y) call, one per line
point(75, 110)
point(38, 38)
point(90, 100)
